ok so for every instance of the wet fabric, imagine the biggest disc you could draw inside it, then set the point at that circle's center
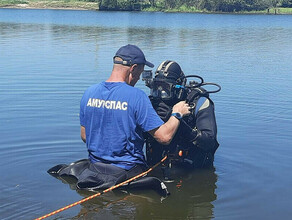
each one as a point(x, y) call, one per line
point(95, 176)
point(103, 176)
point(99, 176)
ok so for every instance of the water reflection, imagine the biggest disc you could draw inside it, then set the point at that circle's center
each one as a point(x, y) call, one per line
point(192, 196)
point(156, 38)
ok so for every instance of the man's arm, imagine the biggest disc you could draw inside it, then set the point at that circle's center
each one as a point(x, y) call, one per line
point(83, 134)
point(165, 133)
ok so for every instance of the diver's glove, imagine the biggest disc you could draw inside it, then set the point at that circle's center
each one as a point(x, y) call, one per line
point(163, 110)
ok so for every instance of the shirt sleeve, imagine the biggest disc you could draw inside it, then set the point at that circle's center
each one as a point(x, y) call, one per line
point(146, 116)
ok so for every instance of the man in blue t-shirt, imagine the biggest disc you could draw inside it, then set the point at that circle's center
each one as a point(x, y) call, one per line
point(113, 117)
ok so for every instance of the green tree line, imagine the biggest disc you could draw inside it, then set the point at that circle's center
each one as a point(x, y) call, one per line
point(200, 5)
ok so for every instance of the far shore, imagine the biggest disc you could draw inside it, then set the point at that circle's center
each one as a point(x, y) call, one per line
point(27, 6)
point(53, 5)
point(79, 5)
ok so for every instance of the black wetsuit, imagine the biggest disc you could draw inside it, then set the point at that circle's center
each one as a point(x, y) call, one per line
point(195, 142)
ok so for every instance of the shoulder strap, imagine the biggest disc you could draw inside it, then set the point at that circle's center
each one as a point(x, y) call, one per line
point(195, 94)
point(202, 103)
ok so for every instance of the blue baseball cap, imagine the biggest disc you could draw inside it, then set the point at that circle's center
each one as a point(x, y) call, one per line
point(131, 54)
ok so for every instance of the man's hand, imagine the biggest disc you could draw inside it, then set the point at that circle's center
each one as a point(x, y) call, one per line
point(166, 132)
point(83, 134)
point(182, 107)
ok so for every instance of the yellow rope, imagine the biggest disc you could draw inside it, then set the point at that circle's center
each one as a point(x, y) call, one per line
point(104, 191)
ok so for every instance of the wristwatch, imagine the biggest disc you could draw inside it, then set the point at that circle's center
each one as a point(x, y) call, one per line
point(177, 115)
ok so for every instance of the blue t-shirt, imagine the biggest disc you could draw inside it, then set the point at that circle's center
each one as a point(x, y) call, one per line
point(115, 115)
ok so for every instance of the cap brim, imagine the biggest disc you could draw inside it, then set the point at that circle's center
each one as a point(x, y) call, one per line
point(149, 64)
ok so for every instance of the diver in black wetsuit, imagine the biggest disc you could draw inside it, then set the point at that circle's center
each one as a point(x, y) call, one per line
point(195, 142)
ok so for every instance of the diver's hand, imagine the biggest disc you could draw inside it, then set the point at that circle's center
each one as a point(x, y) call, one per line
point(182, 107)
point(163, 110)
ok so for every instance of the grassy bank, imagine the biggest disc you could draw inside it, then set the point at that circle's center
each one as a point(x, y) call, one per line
point(83, 5)
point(186, 9)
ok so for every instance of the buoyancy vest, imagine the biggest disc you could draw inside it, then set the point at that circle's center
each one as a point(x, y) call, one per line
point(183, 150)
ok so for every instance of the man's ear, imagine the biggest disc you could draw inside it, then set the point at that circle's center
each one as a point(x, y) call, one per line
point(133, 67)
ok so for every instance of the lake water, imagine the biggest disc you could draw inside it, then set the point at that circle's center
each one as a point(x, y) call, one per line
point(49, 57)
